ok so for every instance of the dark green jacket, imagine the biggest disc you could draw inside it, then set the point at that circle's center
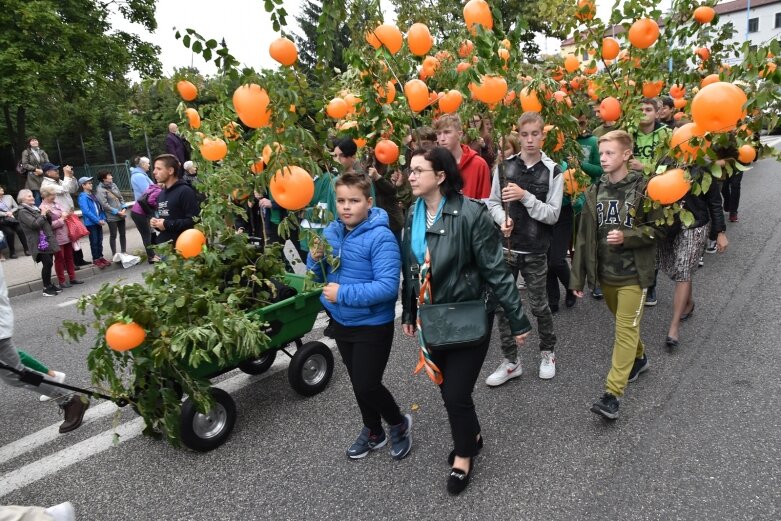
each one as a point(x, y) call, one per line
point(466, 259)
point(641, 239)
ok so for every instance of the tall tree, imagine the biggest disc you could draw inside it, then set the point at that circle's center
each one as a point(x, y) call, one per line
point(321, 44)
point(55, 52)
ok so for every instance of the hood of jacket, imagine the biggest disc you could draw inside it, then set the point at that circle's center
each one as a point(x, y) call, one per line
point(467, 155)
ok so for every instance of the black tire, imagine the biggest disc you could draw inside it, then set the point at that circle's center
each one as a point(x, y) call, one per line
point(259, 365)
point(311, 368)
point(205, 432)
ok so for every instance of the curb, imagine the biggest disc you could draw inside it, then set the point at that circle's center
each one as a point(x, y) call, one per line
point(85, 273)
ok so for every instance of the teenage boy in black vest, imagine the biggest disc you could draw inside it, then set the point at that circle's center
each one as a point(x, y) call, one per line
point(532, 190)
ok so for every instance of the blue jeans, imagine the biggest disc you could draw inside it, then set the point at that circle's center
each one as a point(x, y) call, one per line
point(96, 241)
point(37, 196)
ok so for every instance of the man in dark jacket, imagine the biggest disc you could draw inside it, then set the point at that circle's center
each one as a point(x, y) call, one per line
point(526, 205)
point(177, 146)
point(177, 204)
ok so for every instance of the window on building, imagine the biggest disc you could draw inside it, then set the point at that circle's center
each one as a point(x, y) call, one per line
point(778, 20)
point(753, 25)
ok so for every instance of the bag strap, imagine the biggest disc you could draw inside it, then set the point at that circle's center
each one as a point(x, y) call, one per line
point(424, 356)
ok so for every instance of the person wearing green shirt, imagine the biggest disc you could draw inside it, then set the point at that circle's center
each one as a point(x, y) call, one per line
point(589, 162)
point(651, 138)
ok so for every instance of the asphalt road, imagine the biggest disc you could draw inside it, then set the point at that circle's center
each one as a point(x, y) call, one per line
point(698, 436)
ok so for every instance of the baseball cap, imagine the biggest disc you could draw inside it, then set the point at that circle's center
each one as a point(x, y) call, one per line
point(49, 166)
point(85, 179)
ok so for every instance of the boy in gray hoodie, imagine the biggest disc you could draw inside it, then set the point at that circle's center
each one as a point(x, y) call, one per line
point(531, 189)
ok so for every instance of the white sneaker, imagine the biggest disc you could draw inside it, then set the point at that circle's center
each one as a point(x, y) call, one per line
point(701, 262)
point(59, 378)
point(547, 365)
point(506, 371)
point(62, 512)
point(711, 247)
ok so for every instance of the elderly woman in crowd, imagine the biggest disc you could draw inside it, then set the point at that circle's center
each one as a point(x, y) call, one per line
point(113, 204)
point(10, 225)
point(63, 257)
point(40, 237)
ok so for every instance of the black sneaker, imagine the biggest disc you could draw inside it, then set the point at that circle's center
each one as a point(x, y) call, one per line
point(74, 281)
point(650, 298)
point(597, 293)
point(570, 299)
point(640, 366)
point(607, 406)
point(49, 292)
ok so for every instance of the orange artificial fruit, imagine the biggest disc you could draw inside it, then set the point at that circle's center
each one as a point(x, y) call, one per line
point(419, 39)
point(124, 337)
point(478, 12)
point(292, 188)
point(718, 107)
point(337, 108)
point(190, 243)
point(386, 151)
point(213, 149)
point(610, 48)
point(251, 103)
point(668, 187)
point(704, 14)
point(284, 51)
point(187, 90)
point(450, 101)
point(747, 154)
point(643, 33)
point(193, 118)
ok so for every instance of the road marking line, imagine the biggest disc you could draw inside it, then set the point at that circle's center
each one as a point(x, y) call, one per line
point(68, 456)
point(770, 141)
point(64, 458)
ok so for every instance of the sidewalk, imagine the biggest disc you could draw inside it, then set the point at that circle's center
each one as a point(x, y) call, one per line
point(24, 276)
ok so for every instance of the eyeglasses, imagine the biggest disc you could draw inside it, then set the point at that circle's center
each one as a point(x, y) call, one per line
point(417, 171)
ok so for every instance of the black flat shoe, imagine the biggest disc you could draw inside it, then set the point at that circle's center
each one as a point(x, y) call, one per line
point(452, 456)
point(458, 480)
point(570, 299)
point(77, 282)
point(687, 316)
point(671, 342)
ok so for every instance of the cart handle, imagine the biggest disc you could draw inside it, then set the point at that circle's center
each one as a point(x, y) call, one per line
point(36, 378)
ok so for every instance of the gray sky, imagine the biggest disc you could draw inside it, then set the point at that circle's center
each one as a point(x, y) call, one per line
point(246, 27)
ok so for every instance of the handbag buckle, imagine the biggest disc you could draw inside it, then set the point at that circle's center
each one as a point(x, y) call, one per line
point(415, 269)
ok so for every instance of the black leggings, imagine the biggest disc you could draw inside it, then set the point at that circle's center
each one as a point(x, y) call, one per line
point(460, 369)
point(47, 261)
point(145, 230)
point(365, 351)
point(730, 190)
point(558, 269)
point(113, 226)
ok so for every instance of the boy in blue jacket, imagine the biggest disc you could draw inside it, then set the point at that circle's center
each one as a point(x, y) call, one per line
point(360, 298)
point(94, 219)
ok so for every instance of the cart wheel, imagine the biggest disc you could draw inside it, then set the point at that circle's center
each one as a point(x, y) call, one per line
point(259, 365)
point(311, 368)
point(204, 432)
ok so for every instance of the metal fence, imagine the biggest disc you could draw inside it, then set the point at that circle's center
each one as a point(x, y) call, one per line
point(13, 182)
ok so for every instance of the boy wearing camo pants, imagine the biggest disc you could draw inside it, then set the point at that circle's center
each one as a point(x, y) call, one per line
point(533, 194)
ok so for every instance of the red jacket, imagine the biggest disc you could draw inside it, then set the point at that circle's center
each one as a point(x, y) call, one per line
point(476, 174)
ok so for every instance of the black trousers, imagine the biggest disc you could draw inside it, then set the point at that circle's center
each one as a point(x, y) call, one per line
point(460, 369)
point(730, 190)
point(47, 261)
point(365, 351)
point(558, 269)
point(10, 229)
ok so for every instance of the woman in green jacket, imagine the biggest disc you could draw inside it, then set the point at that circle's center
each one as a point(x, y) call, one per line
point(450, 242)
